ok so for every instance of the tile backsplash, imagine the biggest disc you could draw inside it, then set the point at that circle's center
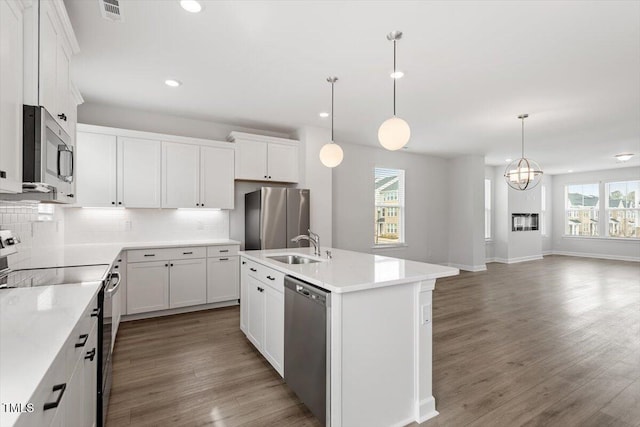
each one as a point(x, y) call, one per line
point(38, 226)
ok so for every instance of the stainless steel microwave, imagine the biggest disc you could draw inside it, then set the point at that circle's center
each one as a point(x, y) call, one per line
point(48, 158)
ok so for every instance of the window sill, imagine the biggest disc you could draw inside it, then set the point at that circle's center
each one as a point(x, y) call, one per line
point(488, 240)
point(390, 246)
point(620, 239)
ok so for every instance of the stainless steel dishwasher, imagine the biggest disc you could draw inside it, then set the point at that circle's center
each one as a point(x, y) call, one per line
point(307, 310)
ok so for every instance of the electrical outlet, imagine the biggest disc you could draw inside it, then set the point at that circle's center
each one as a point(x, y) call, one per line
point(426, 314)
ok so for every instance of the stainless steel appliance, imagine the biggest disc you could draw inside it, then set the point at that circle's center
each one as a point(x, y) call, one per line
point(105, 332)
point(273, 216)
point(47, 162)
point(307, 341)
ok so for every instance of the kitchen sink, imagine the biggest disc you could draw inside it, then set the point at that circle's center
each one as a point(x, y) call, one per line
point(293, 259)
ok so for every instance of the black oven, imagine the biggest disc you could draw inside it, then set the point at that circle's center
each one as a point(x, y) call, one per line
point(105, 330)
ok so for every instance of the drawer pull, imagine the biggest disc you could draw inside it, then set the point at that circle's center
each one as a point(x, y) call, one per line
point(90, 355)
point(253, 269)
point(149, 254)
point(271, 278)
point(187, 253)
point(260, 289)
point(84, 337)
point(244, 262)
point(95, 312)
point(224, 259)
point(224, 250)
point(58, 387)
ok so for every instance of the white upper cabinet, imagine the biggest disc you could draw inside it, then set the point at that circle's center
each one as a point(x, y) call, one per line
point(11, 69)
point(96, 156)
point(115, 171)
point(197, 176)
point(139, 168)
point(49, 45)
point(216, 177)
point(265, 158)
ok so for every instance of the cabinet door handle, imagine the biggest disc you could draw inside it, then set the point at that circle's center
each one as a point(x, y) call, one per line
point(58, 387)
point(223, 250)
point(253, 269)
point(271, 278)
point(95, 312)
point(187, 253)
point(84, 337)
point(166, 265)
point(224, 259)
point(62, 117)
point(171, 265)
point(70, 195)
point(3, 174)
point(244, 262)
point(149, 254)
point(90, 354)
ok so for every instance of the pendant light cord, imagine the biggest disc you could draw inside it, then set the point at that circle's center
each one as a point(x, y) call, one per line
point(394, 78)
point(332, 83)
point(523, 137)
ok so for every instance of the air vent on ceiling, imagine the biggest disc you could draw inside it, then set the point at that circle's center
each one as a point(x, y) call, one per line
point(111, 10)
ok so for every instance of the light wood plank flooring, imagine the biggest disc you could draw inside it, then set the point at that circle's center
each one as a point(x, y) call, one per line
point(554, 342)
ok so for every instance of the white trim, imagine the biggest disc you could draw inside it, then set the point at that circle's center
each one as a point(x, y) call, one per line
point(621, 239)
point(390, 246)
point(61, 11)
point(234, 136)
point(129, 133)
point(600, 256)
point(180, 310)
point(426, 410)
point(547, 252)
point(77, 96)
point(472, 268)
point(517, 260)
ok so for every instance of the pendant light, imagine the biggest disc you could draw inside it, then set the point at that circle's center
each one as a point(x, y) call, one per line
point(394, 133)
point(523, 174)
point(331, 153)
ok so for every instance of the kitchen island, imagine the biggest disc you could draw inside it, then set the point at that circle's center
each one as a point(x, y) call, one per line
point(380, 340)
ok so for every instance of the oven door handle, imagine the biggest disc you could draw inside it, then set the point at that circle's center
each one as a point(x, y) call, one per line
point(114, 287)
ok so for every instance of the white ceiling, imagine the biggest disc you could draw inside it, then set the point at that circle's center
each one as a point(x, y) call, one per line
point(470, 69)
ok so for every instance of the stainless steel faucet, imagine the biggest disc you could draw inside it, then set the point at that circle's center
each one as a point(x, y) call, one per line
point(313, 238)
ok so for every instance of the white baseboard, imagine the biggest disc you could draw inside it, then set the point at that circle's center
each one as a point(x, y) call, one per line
point(180, 310)
point(548, 252)
point(426, 410)
point(472, 268)
point(600, 256)
point(516, 260)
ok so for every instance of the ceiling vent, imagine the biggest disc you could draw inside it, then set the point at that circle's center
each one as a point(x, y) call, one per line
point(111, 10)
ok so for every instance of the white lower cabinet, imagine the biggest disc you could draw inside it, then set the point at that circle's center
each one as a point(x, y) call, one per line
point(147, 286)
point(222, 279)
point(187, 282)
point(262, 306)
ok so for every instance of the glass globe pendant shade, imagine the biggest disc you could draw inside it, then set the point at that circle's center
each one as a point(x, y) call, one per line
point(331, 155)
point(523, 174)
point(394, 133)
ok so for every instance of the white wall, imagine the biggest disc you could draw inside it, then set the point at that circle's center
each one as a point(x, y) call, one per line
point(590, 247)
point(111, 225)
point(127, 118)
point(426, 217)
point(547, 238)
point(466, 213)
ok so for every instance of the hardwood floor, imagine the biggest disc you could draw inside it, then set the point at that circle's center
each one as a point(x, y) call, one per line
point(554, 342)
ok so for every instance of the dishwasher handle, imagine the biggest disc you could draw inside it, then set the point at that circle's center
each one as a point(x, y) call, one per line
point(307, 290)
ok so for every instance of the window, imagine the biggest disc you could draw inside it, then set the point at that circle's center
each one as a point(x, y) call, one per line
point(582, 209)
point(389, 206)
point(622, 208)
point(487, 209)
point(543, 210)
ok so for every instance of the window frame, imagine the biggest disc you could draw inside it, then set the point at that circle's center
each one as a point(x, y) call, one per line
point(607, 209)
point(400, 208)
point(589, 209)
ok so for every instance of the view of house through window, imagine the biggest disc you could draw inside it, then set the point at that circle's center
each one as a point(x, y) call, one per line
point(487, 209)
point(623, 208)
point(389, 206)
point(582, 209)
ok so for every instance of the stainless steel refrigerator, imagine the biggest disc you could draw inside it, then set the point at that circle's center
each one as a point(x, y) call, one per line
point(273, 216)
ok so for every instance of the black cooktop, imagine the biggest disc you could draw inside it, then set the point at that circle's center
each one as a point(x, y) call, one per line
point(54, 276)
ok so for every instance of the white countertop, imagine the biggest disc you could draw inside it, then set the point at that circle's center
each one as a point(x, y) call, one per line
point(105, 253)
point(34, 325)
point(351, 271)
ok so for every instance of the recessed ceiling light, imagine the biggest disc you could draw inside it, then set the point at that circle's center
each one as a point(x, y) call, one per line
point(324, 115)
point(172, 83)
point(508, 160)
point(396, 75)
point(191, 6)
point(570, 170)
point(623, 157)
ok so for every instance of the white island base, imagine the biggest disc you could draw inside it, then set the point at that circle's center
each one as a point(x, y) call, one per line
point(380, 330)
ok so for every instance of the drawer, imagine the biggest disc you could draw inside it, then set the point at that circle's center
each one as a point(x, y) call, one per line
point(166, 254)
point(76, 346)
point(216, 251)
point(264, 274)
